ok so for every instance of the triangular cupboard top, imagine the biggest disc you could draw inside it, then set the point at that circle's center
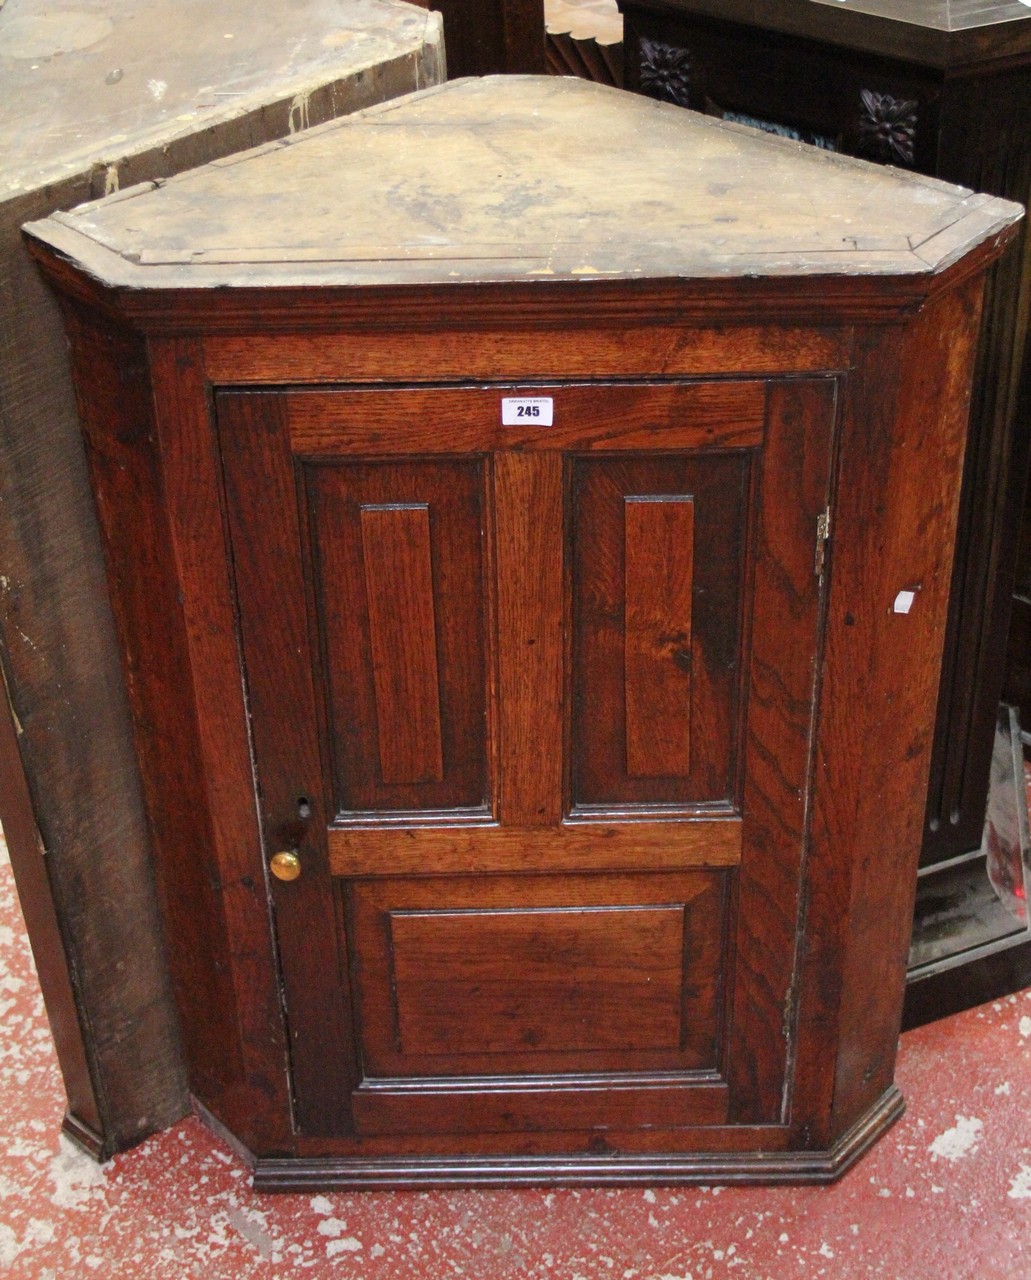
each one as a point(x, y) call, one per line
point(524, 178)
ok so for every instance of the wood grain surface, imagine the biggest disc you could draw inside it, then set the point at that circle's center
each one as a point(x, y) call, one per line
point(696, 198)
point(558, 958)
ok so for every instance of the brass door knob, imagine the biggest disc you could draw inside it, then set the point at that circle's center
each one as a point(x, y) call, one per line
point(285, 865)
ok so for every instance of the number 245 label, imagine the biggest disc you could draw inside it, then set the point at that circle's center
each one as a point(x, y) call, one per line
point(518, 411)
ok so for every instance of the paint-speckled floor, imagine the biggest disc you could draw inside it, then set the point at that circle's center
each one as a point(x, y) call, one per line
point(945, 1196)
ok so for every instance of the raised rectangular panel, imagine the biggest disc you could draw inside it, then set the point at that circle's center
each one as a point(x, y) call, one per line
point(659, 585)
point(658, 568)
point(544, 978)
point(399, 596)
point(403, 640)
point(530, 975)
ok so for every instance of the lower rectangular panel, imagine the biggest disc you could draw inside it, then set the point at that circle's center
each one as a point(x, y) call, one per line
point(510, 980)
point(380, 1109)
point(499, 981)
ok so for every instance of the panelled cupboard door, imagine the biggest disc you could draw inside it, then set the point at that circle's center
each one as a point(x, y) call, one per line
point(532, 696)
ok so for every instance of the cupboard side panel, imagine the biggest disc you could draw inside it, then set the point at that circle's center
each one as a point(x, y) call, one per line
point(197, 722)
point(123, 453)
point(895, 517)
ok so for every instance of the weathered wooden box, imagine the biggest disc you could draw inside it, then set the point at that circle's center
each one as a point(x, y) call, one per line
point(93, 99)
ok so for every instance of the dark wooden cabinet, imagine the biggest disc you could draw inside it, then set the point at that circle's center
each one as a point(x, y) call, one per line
point(940, 89)
point(488, 37)
point(510, 590)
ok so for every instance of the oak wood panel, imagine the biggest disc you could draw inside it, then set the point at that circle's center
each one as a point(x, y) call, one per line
point(116, 390)
point(559, 968)
point(498, 981)
point(412, 420)
point(667, 346)
point(782, 692)
point(529, 531)
point(580, 846)
point(552, 1147)
point(718, 485)
point(659, 570)
point(153, 545)
point(520, 1110)
point(866, 830)
point(403, 638)
point(42, 925)
point(265, 511)
point(496, 36)
point(347, 604)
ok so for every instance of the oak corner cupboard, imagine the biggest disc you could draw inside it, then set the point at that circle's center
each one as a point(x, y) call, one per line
point(528, 513)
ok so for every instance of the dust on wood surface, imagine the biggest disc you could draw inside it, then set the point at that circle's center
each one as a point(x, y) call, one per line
point(526, 178)
point(85, 86)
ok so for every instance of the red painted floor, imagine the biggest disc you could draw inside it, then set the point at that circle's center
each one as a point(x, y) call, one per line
point(945, 1196)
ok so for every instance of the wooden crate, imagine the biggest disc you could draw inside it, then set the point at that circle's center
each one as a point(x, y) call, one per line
point(90, 103)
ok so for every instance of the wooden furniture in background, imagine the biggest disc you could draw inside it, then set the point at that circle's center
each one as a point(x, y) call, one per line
point(91, 102)
point(512, 579)
point(488, 37)
point(942, 89)
point(585, 39)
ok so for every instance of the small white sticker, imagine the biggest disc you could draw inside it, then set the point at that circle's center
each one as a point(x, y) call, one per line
point(904, 601)
point(523, 411)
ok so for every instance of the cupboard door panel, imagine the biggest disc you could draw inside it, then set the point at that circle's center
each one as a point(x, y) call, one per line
point(658, 575)
point(561, 703)
point(612, 416)
point(571, 846)
point(403, 641)
point(400, 601)
point(502, 981)
point(659, 588)
point(539, 975)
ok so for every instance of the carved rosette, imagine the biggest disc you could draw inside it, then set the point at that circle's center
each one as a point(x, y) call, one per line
point(665, 71)
point(887, 127)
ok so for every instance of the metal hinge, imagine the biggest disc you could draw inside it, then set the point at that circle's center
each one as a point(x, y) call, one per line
point(823, 532)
